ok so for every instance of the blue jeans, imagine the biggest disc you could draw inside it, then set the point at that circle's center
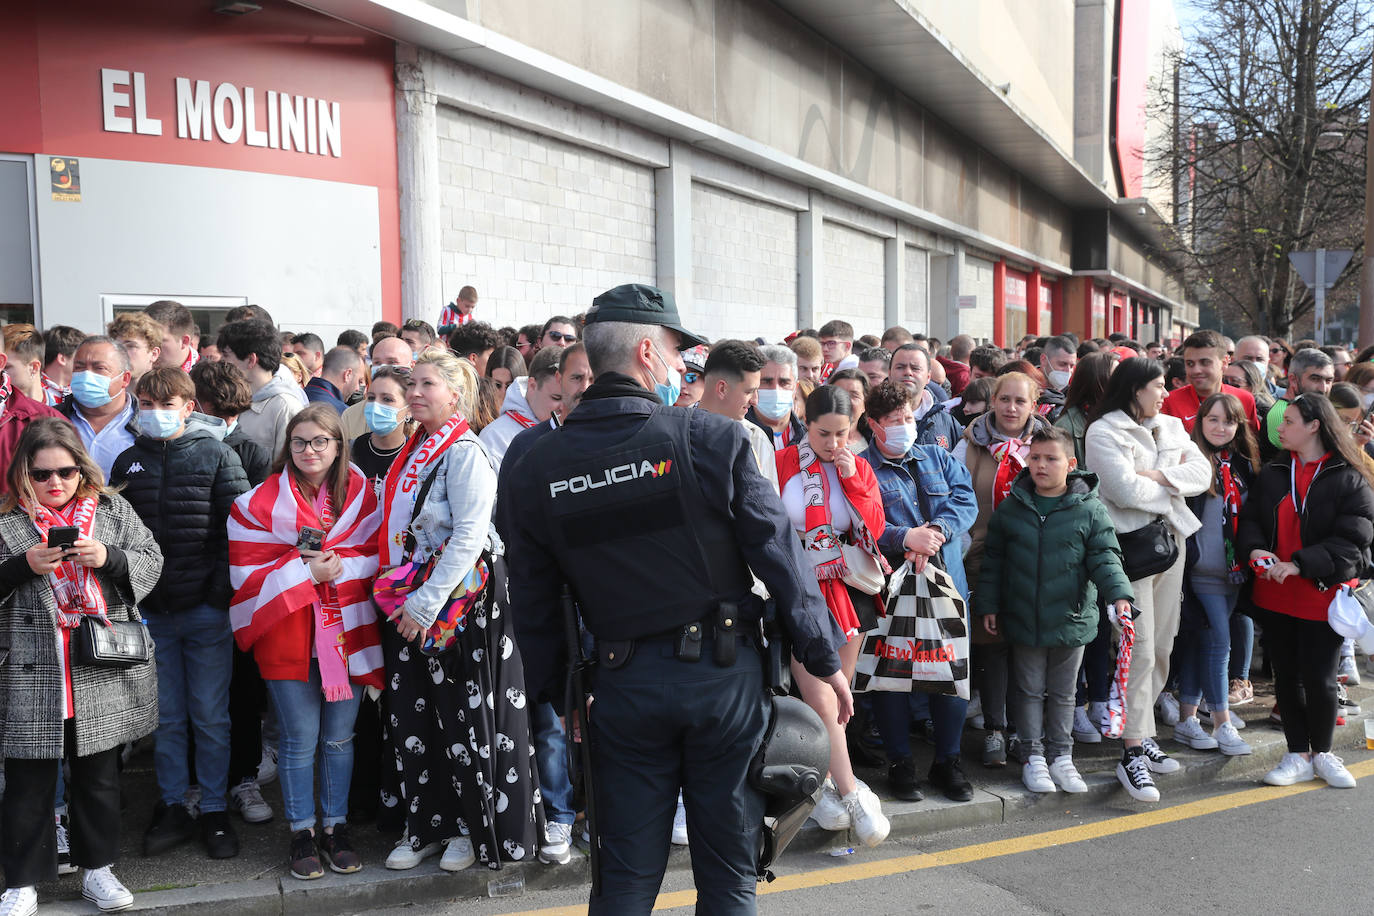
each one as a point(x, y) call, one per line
point(551, 756)
point(309, 725)
point(1206, 655)
point(1242, 645)
point(892, 715)
point(195, 659)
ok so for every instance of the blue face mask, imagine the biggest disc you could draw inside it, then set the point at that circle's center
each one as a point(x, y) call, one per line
point(159, 424)
point(900, 438)
point(380, 418)
point(670, 389)
point(774, 403)
point(91, 389)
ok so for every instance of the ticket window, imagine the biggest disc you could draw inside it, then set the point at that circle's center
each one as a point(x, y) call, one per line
point(1014, 292)
point(208, 311)
point(1099, 313)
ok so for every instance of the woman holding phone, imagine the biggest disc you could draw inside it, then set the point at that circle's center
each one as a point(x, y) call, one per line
point(51, 704)
point(302, 555)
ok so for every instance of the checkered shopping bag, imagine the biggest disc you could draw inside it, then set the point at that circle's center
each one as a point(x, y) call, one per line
point(922, 642)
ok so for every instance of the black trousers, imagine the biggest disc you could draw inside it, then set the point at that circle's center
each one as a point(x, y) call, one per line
point(247, 701)
point(29, 850)
point(1305, 655)
point(659, 724)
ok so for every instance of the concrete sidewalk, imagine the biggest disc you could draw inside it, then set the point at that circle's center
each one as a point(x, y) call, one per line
point(257, 882)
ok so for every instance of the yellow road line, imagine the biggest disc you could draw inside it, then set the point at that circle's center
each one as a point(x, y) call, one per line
point(880, 868)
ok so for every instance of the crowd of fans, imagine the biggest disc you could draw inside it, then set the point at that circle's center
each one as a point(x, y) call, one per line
point(292, 522)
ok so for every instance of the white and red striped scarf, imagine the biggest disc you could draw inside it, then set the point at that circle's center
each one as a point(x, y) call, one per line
point(192, 357)
point(524, 421)
point(54, 393)
point(74, 586)
point(403, 483)
point(270, 581)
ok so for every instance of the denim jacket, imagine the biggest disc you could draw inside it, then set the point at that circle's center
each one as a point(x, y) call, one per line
point(457, 510)
point(945, 491)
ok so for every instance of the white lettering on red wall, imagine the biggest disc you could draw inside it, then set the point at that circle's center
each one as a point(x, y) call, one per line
point(228, 113)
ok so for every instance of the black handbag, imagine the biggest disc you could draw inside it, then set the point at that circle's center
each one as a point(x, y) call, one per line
point(1149, 550)
point(118, 644)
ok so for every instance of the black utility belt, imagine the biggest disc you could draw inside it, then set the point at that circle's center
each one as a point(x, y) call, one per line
point(719, 634)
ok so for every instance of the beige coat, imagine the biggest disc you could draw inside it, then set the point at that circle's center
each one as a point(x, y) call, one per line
point(1116, 447)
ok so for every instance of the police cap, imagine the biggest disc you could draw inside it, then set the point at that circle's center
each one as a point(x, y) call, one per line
point(637, 303)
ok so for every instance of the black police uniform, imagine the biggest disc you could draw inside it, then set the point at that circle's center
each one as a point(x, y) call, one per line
point(656, 516)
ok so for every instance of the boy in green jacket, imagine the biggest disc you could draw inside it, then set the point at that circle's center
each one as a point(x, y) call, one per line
point(1048, 544)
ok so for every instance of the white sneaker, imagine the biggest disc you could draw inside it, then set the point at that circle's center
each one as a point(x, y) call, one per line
point(101, 887)
point(1097, 714)
point(1190, 732)
point(64, 849)
point(557, 846)
point(1348, 672)
point(1066, 775)
point(1331, 770)
point(830, 812)
point(404, 857)
point(458, 855)
point(246, 798)
point(1035, 775)
point(1292, 769)
point(1229, 741)
point(1084, 732)
point(1167, 707)
point(1158, 761)
point(866, 816)
point(19, 901)
point(680, 824)
point(267, 766)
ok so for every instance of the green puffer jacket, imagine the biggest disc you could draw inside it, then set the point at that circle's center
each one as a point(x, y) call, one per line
point(1038, 574)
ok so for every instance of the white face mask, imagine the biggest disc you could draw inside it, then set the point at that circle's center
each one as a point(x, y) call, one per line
point(1368, 399)
point(1059, 378)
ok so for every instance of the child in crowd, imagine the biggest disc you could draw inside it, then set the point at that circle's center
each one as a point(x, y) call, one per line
point(182, 482)
point(1050, 551)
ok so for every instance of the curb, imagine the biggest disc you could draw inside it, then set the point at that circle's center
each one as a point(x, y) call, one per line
point(377, 888)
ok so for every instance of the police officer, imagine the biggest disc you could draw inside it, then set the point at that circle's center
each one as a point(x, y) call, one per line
point(655, 515)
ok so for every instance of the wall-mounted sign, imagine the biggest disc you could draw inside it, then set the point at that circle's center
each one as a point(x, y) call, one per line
point(968, 302)
point(227, 113)
point(65, 174)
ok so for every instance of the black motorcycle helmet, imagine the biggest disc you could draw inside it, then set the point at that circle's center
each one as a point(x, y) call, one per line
point(788, 769)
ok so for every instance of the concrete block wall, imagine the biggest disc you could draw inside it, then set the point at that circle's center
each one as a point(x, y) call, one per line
point(744, 265)
point(852, 279)
point(916, 299)
point(539, 225)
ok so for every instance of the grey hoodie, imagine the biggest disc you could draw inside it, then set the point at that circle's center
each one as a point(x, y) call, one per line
point(274, 404)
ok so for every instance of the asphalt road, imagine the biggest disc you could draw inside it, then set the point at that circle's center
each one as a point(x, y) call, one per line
point(1232, 847)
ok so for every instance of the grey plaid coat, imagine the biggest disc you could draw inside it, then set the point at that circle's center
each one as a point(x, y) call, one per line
point(112, 706)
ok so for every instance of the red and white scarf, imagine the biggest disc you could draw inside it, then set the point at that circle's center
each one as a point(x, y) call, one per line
point(524, 421)
point(1011, 458)
point(403, 483)
point(6, 392)
point(73, 586)
point(192, 357)
point(54, 393)
point(821, 543)
point(270, 581)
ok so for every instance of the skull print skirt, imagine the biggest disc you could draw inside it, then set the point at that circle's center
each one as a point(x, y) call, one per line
point(457, 726)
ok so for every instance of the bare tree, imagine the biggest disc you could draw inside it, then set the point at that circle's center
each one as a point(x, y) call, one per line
point(1268, 149)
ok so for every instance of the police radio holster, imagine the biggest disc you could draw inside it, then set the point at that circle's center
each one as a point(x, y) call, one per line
point(580, 668)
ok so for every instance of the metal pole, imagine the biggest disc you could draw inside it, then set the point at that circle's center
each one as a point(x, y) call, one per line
point(1319, 320)
point(1367, 275)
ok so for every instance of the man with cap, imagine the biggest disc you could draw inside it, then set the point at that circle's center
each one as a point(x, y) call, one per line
point(654, 517)
point(693, 382)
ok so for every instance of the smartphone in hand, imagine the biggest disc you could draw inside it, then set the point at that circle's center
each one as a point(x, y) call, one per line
point(64, 537)
point(310, 539)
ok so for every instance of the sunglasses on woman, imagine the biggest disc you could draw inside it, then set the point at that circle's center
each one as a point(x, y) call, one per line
point(43, 475)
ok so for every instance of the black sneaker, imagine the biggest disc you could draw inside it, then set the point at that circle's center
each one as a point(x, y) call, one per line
point(218, 835)
point(336, 849)
point(1134, 774)
point(948, 776)
point(172, 825)
point(305, 859)
point(901, 780)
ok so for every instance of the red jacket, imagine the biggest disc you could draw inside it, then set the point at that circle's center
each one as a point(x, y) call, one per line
point(1184, 403)
point(956, 372)
point(20, 411)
